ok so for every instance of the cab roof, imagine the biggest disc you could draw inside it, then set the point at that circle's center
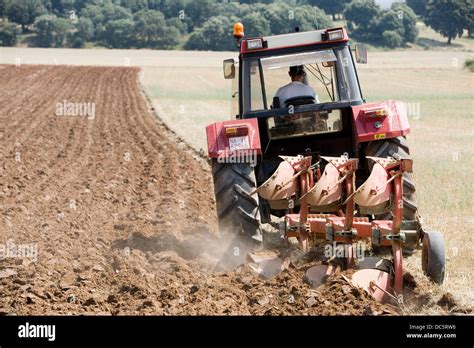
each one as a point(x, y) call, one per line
point(306, 38)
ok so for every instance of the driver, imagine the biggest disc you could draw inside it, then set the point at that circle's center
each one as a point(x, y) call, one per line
point(296, 88)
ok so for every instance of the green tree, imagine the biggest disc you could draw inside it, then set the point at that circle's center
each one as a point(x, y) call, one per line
point(84, 33)
point(93, 12)
point(214, 35)
point(60, 7)
point(392, 39)
point(170, 8)
point(255, 25)
point(24, 12)
point(170, 38)
point(409, 19)
point(258, 1)
point(150, 30)
point(368, 22)
point(237, 9)
point(469, 20)
point(134, 5)
point(177, 23)
point(309, 18)
point(361, 16)
point(418, 6)
point(8, 33)
point(85, 28)
point(360, 13)
point(101, 15)
point(178, 10)
point(389, 20)
point(3, 8)
point(51, 31)
point(118, 33)
point(448, 17)
point(284, 18)
point(333, 7)
point(60, 30)
point(276, 14)
point(199, 11)
point(80, 4)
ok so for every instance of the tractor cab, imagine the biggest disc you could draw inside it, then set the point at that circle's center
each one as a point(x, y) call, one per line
point(313, 103)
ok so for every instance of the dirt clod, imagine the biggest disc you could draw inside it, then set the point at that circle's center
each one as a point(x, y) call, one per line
point(447, 300)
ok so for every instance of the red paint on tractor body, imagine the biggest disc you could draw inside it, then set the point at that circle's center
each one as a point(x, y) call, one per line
point(369, 126)
point(219, 144)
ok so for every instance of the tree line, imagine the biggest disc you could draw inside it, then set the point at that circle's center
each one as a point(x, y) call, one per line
point(207, 24)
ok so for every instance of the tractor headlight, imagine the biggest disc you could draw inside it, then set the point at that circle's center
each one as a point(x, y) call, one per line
point(334, 35)
point(254, 44)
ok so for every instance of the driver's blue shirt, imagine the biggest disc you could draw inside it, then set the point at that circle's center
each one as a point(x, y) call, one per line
point(295, 89)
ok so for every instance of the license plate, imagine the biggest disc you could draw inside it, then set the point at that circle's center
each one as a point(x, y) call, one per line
point(239, 143)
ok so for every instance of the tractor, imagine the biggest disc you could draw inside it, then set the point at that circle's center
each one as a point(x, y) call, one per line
point(320, 167)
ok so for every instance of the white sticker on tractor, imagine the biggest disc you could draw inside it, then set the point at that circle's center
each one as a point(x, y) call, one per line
point(239, 143)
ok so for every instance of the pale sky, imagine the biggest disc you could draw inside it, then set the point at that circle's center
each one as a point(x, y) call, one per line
point(387, 3)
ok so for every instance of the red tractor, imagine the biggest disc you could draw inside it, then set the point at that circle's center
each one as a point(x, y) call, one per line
point(307, 154)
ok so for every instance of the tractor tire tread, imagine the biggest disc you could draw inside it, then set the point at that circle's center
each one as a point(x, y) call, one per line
point(236, 200)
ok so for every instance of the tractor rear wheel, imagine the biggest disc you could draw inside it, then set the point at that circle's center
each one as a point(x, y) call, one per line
point(398, 149)
point(237, 209)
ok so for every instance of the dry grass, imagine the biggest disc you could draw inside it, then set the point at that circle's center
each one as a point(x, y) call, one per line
point(428, 38)
point(442, 143)
point(189, 98)
point(110, 57)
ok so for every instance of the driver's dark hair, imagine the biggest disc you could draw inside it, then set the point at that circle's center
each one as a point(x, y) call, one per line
point(296, 70)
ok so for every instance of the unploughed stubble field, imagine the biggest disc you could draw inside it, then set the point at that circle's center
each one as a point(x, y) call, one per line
point(188, 91)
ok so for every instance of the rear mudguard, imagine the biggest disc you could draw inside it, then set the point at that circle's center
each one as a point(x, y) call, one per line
point(222, 146)
point(391, 123)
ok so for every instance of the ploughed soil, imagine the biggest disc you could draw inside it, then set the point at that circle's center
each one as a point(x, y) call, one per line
point(113, 214)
